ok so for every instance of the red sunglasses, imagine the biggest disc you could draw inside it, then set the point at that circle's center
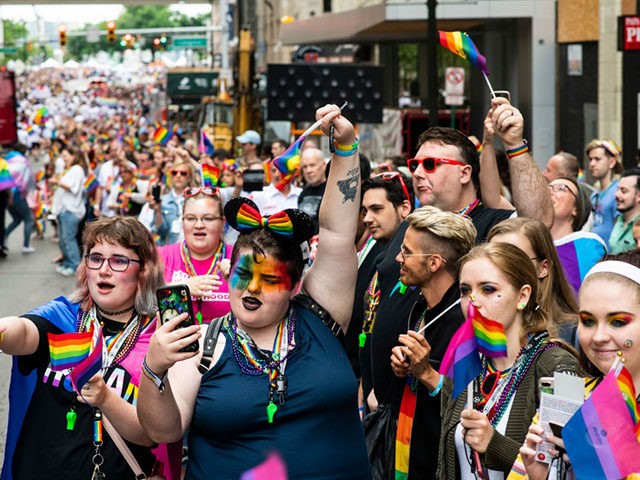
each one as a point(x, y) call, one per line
point(430, 163)
point(208, 191)
point(391, 176)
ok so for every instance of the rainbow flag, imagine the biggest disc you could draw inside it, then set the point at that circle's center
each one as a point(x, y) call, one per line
point(288, 164)
point(161, 135)
point(210, 175)
point(601, 438)
point(41, 116)
point(205, 144)
point(403, 432)
point(104, 136)
point(87, 368)
point(91, 183)
point(273, 468)
point(628, 390)
point(461, 361)
point(66, 350)
point(39, 175)
point(461, 44)
point(6, 180)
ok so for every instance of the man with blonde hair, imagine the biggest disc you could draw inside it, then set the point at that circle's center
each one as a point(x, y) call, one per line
point(433, 244)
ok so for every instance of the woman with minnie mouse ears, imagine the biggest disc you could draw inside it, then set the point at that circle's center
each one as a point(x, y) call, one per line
point(276, 377)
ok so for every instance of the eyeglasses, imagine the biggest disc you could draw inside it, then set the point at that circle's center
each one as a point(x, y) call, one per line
point(209, 191)
point(430, 163)
point(561, 187)
point(182, 173)
point(405, 254)
point(391, 176)
point(94, 261)
point(488, 386)
point(207, 219)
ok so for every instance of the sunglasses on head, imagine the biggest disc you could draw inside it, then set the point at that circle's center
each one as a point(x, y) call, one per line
point(183, 173)
point(209, 191)
point(430, 163)
point(393, 175)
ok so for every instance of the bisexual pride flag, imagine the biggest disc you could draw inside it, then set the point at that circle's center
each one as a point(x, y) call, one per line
point(461, 44)
point(87, 368)
point(273, 468)
point(205, 144)
point(210, 175)
point(476, 335)
point(601, 438)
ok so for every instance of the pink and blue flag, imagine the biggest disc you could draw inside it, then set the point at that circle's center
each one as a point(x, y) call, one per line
point(273, 468)
point(87, 368)
point(205, 144)
point(578, 252)
point(600, 438)
point(476, 335)
point(461, 44)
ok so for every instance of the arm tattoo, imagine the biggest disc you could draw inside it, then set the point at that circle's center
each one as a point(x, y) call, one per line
point(348, 187)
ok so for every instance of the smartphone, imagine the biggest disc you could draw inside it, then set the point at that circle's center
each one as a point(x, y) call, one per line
point(253, 180)
point(503, 93)
point(172, 301)
point(556, 429)
point(155, 191)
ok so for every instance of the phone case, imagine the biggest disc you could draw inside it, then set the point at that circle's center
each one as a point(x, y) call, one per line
point(172, 301)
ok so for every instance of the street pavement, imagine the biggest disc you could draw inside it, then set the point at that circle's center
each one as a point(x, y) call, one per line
point(26, 281)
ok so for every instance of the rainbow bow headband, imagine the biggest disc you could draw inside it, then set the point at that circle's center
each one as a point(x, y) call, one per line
point(243, 215)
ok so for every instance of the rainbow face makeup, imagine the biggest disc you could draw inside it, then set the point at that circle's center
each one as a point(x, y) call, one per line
point(262, 274)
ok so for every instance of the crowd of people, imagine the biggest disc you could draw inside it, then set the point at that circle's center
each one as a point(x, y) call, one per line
point(325, 298)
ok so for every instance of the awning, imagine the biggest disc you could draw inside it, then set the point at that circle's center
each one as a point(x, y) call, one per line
point(377, 23)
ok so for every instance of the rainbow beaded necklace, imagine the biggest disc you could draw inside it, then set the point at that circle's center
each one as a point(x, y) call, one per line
point(185, 254)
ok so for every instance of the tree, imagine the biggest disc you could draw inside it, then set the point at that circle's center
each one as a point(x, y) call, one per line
point(15, 34)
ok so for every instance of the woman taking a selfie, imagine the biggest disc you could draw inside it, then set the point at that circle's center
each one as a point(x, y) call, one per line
point(502, 283)
point(53, 427)
point(196, 260)
point(278, 377)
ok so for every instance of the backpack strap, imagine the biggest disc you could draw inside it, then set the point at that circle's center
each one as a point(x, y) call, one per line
point(309, 303)
point(210, 341)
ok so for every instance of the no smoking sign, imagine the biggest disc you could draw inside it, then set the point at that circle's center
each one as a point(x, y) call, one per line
point(454, 81)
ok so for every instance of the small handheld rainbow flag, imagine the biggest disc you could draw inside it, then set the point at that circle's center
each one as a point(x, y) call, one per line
point(205, 144)
point(601, 437)
point(461, 44)
point(6, 180)
point(42, 116)
point(288, 164)
point(476, 335)
point(163, 135)
point(91, 183)
point(39, 175)
point(66, 350)
point(210, 175)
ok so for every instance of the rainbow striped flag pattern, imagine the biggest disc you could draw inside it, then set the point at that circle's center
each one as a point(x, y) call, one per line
point(89, 366)
point(461, 44)
point(41, 116)
point(248, 219)
point(6, 180)
point(601, 437)
point(210, 175)
point(162, 135)
point(205, 145)
point(461, 361)
point(39, 175)
point(403, 431)
point(90, 183)
point(288, 164)
point(625, 383)
point(66, 350)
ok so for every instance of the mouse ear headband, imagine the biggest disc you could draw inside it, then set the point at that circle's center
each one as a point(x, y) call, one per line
point(243, 215)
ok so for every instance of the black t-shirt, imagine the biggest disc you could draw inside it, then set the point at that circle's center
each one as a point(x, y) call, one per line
point(45, 448)
point(484, 218)
point(425, 435)
point(310, 198)
point(365, 272)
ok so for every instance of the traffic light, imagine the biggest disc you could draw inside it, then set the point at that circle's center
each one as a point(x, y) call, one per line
point(127, 41)
point(163, 41)
point(111, 31)
point(62, 31)
point(156, 43)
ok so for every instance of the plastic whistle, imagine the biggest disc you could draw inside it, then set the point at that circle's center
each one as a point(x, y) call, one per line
point(362, 339)
point(71, 419)
point(272, 408)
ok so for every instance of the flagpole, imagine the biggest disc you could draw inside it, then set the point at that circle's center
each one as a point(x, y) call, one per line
point(493, 94)
point(319, 122)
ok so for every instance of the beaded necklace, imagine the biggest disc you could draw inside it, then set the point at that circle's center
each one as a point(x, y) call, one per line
point(252, 360)
point(373, 299)
point(501, 397)
point(466, 211)
point(185, 254)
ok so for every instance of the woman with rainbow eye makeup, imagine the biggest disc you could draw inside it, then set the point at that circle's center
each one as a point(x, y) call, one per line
point(501, 281)
point(276, 377)
point(609, 325)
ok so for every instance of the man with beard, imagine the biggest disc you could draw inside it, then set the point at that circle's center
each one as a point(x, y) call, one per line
point(628, 204)
point(433, 244)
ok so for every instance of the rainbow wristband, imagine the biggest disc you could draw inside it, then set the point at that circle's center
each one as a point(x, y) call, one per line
point(514, 152)
point(345, 148)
